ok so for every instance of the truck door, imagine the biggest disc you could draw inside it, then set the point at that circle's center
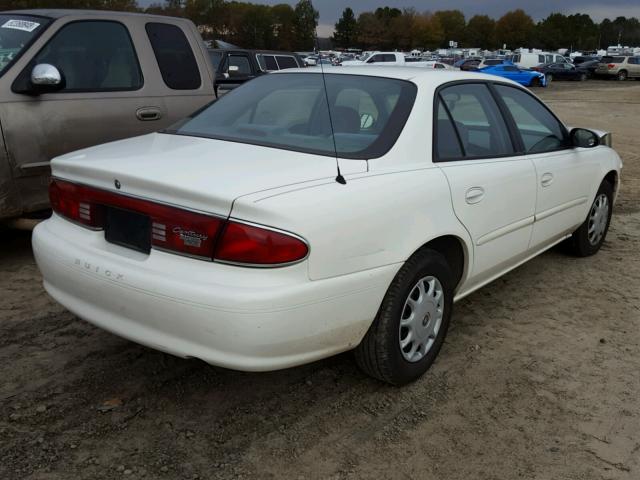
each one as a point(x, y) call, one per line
point(111, 89)
point(99, 101)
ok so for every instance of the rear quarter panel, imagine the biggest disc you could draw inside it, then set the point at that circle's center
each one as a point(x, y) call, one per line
point(373, 220)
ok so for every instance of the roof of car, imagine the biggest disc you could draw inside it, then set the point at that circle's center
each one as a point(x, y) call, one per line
point(251, 50)
point(61, 12)
point(425, 76)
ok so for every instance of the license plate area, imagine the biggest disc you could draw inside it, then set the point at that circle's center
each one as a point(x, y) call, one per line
point(128, 229)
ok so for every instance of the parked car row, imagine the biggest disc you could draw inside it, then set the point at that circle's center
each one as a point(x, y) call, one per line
point(233, 67)
point(224, 236)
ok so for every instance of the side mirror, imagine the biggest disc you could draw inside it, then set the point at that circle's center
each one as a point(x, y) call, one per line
point(46, 78)
point(581, 137)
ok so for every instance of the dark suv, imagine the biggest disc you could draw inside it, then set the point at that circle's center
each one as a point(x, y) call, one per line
point(234, 67)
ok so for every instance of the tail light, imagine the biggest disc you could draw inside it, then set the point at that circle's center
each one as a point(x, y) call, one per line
point(611, 65)
point(256, 245)
point(72, 202)
point(181, 231)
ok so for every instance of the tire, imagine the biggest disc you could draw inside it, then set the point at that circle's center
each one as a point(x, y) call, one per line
point(380, 354)
point(535, 82)
point(549, 78)
point(582, 77)
point(622, 75)
point(583, 243)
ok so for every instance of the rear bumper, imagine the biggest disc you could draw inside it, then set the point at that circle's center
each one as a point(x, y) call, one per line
point(240, 318)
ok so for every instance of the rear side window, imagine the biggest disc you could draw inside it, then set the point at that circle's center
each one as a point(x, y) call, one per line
point(286, 62)
point(446, 139)
point(93, 56)
point(267, 62)
point(216, 58)
point(177, 64)
point(541, 59)
point(477, 121)
point(539, 129)
point(612, 59)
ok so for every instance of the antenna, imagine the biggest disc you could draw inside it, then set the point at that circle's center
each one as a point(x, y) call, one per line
point(339, 178)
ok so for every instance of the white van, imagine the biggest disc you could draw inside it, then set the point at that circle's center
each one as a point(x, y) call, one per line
point(528, 60)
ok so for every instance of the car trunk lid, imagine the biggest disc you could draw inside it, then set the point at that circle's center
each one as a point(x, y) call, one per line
point(196, 173)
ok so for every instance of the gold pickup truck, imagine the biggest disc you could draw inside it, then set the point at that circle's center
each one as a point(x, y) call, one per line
point(71, 79)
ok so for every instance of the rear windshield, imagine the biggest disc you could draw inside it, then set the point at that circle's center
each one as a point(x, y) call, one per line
point(16, 33)
point(612, 59)
point(289, 111)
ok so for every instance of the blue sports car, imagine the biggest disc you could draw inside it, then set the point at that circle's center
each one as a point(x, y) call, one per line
point(528, 78)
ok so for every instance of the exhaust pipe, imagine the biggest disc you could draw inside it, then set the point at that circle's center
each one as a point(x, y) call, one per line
point(27, 224)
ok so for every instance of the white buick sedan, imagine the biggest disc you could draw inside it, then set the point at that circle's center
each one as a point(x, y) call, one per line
point(304, 215)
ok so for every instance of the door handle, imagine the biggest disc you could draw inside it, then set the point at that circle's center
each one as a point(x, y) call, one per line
point(147, 114)
point(474, 195)
point(546, 179)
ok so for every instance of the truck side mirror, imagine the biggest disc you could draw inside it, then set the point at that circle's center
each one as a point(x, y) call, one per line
point(46, 78)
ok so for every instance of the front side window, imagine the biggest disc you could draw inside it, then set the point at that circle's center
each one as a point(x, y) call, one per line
point(16, 33)
point(477, 121)
point(93, 56)
point(290, 111)
point(539, 129)
point(238, 66)
point(175, 58)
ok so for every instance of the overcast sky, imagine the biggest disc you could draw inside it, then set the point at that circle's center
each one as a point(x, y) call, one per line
point(330, 10)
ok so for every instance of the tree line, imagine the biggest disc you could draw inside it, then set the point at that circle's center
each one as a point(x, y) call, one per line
point(390, 28)
point(249, 25)
point(284, 27)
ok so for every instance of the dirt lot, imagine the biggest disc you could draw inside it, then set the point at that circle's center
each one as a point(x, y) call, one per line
point(539, 377)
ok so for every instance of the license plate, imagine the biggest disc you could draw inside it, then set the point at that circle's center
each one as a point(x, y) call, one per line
point(128, 229)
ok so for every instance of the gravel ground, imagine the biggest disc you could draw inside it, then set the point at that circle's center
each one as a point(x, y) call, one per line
point(538, 377)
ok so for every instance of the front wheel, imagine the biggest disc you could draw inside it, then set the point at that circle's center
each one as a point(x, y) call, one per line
point(409, 329)
point(589, 237)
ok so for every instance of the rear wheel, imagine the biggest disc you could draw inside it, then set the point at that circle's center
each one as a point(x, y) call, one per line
point(549, 78)
point(583, 77)
point(589, 237)
point(622, 75)
point(406, 335)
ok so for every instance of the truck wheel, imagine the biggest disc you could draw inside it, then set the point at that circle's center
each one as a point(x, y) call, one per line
point(409, 329)
point(589, 237)
point(622, 75)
